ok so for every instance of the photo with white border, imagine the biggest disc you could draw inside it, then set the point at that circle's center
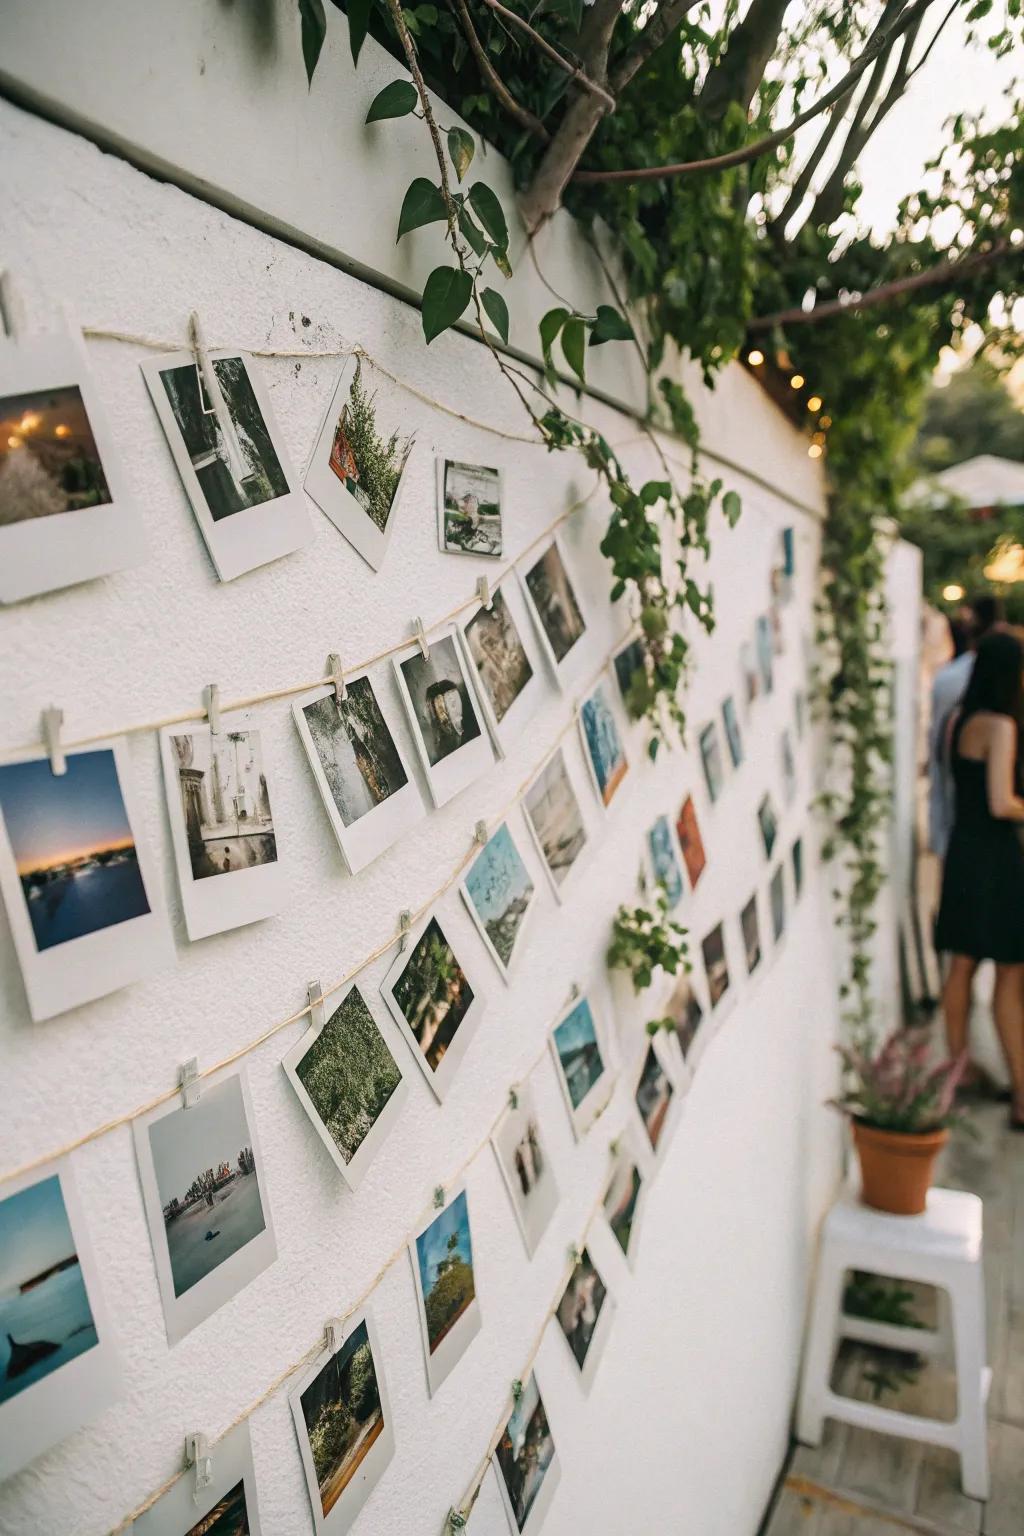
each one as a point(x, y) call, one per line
point(583, 1068)
point(525, 1164)
point(506, 669)
point(655, 1098)
point(228, 1503)
point(445, 715)
point(527, 1485)
point(470, 509)
point(583, 1316)
point(500, 894)
point(434, 1001)
point(554, 604)
point(441, 1253)
point(625, 1197)
point(554, 814)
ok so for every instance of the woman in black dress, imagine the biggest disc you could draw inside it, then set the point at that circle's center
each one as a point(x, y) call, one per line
point(981, 913)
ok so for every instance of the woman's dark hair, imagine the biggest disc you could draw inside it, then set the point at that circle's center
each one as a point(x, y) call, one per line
point(997, 677)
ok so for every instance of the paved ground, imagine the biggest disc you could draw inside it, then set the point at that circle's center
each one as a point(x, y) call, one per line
point(858, 1483)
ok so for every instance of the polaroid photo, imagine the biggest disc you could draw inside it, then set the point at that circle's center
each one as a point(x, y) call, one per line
point(733, 737)
point(526, 1168)
point(445, 1283)
point(65, 512)
point(555, 819)
point(663, 859)
point(765, 651)
point(800, 713)
point(751, 930)
point(797, 860)
point(768, 823)
point(205, 1196)
point(711, 758)
point(777, 899)
point(602, 744)
point(509, 681)
point(226, 1507)
point(788, 765)
point(526, 1462)
point(584, 1316)
point(470, 501)
point(625, 1198)
point(683, 1010)
point(444, 715)
point(433, 1003)
point(358, 462)
point(229, 451)
point(631, 675)
point(222, 826)
point(778, 632)
point(691, 844)
point(58, 1361)
point(750, 672)
point(369, 794)
point(715, 964)
point(81, 889)
point(583, 1072)
point(349, 1084)
point(343, 1426)
point(553, 603)
point(500, 893)
point(653, 1097)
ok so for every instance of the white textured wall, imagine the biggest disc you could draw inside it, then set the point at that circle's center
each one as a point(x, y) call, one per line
point(686, 1423)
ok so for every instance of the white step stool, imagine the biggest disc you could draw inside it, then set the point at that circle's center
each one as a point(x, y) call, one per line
point(941, 1247)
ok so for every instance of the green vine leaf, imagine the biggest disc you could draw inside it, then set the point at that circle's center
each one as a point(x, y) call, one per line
point(501, 261)
point(550, 326)
point(489, 211)
point(314, 30)
point(470, 233)
point(396, 100)
point(574, 341)
point(422, 204)
point(497, 312)
point(461, 147)
point(358, 13)
point(609, 325)
point(446, 294)
point(732, 507)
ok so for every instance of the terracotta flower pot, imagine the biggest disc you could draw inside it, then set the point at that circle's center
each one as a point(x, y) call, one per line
point(896, 1167)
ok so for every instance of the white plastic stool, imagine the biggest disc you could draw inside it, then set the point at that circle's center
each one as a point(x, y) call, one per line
point(941, 1247)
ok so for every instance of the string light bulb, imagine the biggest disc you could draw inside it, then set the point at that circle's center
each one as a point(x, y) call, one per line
point(815, 451)
point(953, 592)
point(797, 381)
point(815, 403)
point(755, 358)
point(62, 430)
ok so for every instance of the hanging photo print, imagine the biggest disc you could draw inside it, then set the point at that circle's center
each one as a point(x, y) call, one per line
point(602, 744)
point(343, 1424)
point(81, 891)
point(653, 1097)
point(442, 1267)
point(222, 826)
point(713, 950)
point(58, 1364)
point(65, 514)
point(370, 797)
point(226, 1507)
point(582, 1071)
point(751, 935)
point(711, 757)
point(231, 457)
point(768, 823)
point(205, 1197)
point(508, 682)
point(630, 667)
point(788, 765)
point(555, 820)
point(624, 1198)
point(553, 601)
point(433, 1003)
point(348, 1083)
point(358, 461)
point(444, 716)
point(683, 1010)
point(469, 507)
point(499, 892)
point(730, 720)
point(664, 861)
point(765, 650)
point(797, 857)
point(690, 841)
point(526, 1167)
point(526, 1462)
point(777, 894)
point(584, 1316)
point(751, 672)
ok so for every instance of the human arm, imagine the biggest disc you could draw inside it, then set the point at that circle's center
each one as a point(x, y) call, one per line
point(1001, 760)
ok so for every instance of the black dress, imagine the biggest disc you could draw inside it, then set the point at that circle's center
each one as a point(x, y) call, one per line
point(981, 912)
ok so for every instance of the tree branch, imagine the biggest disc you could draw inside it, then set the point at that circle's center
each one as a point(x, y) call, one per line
point(753, 151)
point(657, 31)
point(740, 70)
point(503, 95)
point(943, 272)
point(575, 74)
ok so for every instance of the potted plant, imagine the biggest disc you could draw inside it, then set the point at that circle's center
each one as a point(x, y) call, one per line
point(901, 1105)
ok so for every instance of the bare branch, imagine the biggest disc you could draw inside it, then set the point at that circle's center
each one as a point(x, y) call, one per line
point(741, 68)
point(575, 74)
point(942, 273)
point(750, 152)
point(802, 184)
point(518, 113)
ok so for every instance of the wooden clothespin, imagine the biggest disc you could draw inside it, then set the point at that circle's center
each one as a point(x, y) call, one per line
point(209, 389)
point(211, 700)
point(337, 678)
point(404, 925)
point(315, 993)
point(197, 1456)
point(188, 1081)
point(421, 638)
point(484, 593)
point(53, 719)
